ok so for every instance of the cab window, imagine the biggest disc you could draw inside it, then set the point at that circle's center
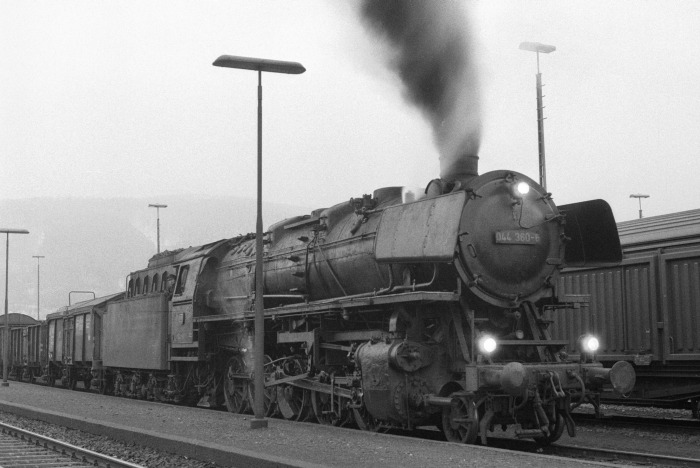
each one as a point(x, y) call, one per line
point(182, 280)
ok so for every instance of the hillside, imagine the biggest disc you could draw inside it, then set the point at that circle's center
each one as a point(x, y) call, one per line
point(92, 244)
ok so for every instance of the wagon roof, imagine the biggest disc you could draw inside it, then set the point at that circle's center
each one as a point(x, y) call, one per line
point(85, 305)
point(663, 228)
point(16, 319)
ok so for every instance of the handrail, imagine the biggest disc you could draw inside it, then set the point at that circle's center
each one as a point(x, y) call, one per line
point(80, 292)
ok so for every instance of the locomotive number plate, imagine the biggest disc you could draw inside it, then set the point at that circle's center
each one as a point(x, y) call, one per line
point(517, 237)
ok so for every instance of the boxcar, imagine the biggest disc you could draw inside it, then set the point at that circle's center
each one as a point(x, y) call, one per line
point(647, 309)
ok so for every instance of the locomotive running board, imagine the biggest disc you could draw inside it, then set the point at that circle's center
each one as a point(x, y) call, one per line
point(339, 304)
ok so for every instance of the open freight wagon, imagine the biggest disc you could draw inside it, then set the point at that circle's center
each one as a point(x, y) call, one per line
point(74, 341)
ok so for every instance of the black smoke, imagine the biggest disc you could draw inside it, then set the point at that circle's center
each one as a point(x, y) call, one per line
point(431, 53)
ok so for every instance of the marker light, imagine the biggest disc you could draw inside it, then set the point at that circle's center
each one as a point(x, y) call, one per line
point(487, 344)
point(589, 344)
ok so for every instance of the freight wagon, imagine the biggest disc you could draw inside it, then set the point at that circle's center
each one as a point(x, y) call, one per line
point(645, 310)
point(74, 342)
point(19, 352)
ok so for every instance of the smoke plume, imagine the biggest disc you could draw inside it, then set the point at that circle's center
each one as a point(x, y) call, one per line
point(432, 56)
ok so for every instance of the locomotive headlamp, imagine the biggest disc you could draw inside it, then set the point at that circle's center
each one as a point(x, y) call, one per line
point(520, 189)
point(589, 344)
point(487, 344)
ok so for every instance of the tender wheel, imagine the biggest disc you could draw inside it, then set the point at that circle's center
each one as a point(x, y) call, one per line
point(235, 386)
point(556, 429)
point(331, 415)
point(460, 421)
point(269, 393)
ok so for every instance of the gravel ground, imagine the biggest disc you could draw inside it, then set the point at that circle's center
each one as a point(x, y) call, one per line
point(311, 443)
point(675, 442)
point(640, 411)
point(129, 452)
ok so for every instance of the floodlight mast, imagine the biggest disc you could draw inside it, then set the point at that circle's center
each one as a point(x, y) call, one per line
point(271, 66)
point(157, 206)
point(38, 283)
point(545, 49)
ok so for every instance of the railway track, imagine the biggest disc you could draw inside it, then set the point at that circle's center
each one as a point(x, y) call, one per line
point(595, 454)
point(615, 420)
point(574, 451)
point(20, 448)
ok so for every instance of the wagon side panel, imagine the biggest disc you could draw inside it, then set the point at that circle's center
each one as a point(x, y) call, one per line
point(135, 333)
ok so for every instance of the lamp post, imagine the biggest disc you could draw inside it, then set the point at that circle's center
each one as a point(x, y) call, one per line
point(157, 207)
point(6, 333)
point(272, 66)
point(545, 49)
point(38, 283)
point(639, 197)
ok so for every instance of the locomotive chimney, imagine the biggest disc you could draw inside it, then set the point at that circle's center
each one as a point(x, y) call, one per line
point(459, 170)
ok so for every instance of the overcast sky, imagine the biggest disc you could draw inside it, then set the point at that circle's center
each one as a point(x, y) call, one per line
point(119, 98)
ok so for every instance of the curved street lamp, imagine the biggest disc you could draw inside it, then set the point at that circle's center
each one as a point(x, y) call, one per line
point(271, 66)
point(639, 197)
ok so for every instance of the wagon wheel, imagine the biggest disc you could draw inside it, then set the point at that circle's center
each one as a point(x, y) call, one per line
point(269, 393)
point(335, 416)
point(294, 403)
point(695, 410)
point(556, 429)
point(366, 421)
point(118, 385)
point(235, 386)
point(87, 380)
point(50, 378)
point(460, 421)
point(105, 385)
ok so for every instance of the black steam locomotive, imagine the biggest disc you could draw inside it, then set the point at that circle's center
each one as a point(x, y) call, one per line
point(387, 311)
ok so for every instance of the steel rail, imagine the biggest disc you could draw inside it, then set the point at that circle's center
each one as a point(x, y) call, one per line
point(75, 454)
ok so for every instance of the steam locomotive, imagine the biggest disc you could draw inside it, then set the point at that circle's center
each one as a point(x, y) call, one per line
point(392, 310)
